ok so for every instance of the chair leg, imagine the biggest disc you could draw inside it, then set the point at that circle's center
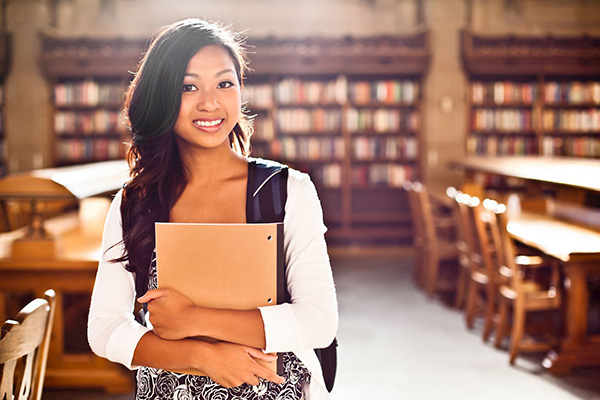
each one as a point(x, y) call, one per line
point(470, 308)
point(422, 278)
point(431, 279)
point(517, 330)
point(461, 284)
point(418, 268)
point(501, 322)
point(489, 313)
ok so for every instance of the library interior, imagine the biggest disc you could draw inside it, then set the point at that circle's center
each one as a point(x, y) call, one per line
point(454, 146)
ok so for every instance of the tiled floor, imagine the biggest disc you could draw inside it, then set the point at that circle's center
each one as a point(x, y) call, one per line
point(396, 344)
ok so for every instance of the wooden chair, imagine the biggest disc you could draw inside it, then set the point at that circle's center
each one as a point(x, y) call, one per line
point(516, 290)
point(418, 235)
point(464, 240)
point(432, 248)
point(24, 349)
point(482, 277)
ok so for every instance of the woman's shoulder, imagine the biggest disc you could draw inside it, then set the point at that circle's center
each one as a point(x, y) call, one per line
point(298, 178)
point(118, 197)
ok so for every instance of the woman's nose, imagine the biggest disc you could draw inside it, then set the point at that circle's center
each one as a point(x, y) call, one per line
point(208, 101)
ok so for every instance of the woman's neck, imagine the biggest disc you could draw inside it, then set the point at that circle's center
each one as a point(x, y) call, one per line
point(209, 166)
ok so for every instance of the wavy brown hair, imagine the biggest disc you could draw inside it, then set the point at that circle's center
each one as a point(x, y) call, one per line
point(152, 105)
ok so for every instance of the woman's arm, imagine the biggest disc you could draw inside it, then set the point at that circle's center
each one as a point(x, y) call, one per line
point(227, 364)
point(113, 332)
point(174, 316)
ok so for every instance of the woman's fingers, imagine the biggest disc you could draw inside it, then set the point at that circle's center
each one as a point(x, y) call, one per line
point(152, 294)
point(260, 355)
point(231, 365)
point(261, 371)
point(265, 373)
point(171, 313)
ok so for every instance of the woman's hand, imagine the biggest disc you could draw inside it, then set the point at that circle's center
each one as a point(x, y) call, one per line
point(231, 365)
point(170, 313)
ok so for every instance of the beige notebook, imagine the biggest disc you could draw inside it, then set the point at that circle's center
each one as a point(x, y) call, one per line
point(229, 266)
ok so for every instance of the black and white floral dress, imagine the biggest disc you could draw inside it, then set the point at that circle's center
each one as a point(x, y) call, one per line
point(158, 384)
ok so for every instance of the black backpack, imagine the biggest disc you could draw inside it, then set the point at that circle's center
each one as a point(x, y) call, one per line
point(267, 194)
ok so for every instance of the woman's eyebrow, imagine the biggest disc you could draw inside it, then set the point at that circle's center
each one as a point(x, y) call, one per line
point(226, 70)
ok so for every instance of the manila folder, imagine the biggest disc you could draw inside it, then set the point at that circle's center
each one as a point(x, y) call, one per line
point(227, 266)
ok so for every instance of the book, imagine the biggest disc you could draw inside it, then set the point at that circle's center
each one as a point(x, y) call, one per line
point(226, 266)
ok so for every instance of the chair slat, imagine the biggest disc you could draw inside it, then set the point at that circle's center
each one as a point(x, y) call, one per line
point(24, 349)
point(25, 389)
point(8, 377)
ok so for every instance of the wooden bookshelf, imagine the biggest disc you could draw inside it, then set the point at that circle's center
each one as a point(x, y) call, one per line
point(347, 111)
point(89, 78)
point(533, 95)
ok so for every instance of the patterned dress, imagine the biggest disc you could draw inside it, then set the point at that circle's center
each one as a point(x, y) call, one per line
point(158, 384)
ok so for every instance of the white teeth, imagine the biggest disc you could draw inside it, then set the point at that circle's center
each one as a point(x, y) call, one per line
point(208, 123)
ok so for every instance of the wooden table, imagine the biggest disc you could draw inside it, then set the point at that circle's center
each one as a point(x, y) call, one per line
point(578, 249)
point(573, 172)
point(72, 276)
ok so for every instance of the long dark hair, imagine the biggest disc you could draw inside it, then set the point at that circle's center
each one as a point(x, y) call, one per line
point(152, 105)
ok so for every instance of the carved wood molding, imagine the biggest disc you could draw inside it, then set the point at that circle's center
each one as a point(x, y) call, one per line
point(528, 55)
point(348, 55)
point(79, 57)
point(82, 57)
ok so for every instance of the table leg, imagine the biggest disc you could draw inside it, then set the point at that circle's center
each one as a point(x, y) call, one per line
point(577, 349)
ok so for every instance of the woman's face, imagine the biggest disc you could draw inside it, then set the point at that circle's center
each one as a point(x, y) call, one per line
point(210, 100)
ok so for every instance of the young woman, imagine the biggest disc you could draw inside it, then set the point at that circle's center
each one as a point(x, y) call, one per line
point(188, 164)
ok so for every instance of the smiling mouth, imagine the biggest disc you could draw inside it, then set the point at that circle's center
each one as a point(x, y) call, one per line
point(206, 124)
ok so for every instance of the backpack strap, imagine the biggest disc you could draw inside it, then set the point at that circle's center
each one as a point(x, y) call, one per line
point(267, 191)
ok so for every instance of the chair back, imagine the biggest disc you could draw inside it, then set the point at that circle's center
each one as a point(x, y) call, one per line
point(508, 269)
point(423, 205)
point(24, 350)
point(467, 224)
point(415, 209)
point(483, 241)
point(426, 241)
point(461, 234)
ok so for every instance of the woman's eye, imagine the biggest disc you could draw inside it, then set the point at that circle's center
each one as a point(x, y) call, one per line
point(226, 84)
point(189, 87)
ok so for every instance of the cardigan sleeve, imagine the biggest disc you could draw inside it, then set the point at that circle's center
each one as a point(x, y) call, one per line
point(311, 320)
point(113, 332)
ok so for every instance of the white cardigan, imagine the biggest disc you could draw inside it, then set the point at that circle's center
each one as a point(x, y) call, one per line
point(309, 322)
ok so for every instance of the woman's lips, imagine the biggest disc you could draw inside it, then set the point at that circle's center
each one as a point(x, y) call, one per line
point(209, 125)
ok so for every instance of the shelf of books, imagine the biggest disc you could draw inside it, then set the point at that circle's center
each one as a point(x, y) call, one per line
point(502, 119)
point(88, 122)
point(356, 132)
point(571, 118)
point(533, 95)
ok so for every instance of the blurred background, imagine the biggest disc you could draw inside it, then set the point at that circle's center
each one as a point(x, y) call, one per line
point(373, 98)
